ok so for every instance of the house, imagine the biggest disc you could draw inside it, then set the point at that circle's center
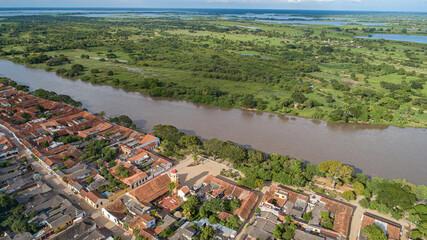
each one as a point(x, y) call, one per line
point(301, 235)
point(115, 211)
point(78, 231)
point(140, 157)
point(184, 192)
point(218, 188)
point(142, 222)
point(342, 213)
point(392, 230)
point(54, 213)
point(149, 142)
point(185, 232)
point(95, 199)
point(7, 148)
point(151, 190)
point(280, 199)
point(254, 233)
point(135, 176)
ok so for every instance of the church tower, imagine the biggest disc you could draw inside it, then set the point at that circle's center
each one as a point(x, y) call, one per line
point(175, 179)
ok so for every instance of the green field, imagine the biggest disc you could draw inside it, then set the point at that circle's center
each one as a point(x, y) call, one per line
point(312, 71)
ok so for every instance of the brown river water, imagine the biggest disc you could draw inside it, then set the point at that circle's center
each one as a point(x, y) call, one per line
point(375, 150)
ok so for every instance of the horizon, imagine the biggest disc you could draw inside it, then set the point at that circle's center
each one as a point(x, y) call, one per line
point(206, 8)
point(308, 5)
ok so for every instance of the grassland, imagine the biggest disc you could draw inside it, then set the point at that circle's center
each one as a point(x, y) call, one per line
point(216, 61)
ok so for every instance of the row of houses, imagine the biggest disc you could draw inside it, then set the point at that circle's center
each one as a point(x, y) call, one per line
point(279, 202)
point(134, 210)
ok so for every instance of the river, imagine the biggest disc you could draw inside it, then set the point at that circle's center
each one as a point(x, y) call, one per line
point(397, 37)
point(376, 150)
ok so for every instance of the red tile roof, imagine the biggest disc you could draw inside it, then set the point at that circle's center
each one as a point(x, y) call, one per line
point(152, 189)
point(95, 196)
point(117, 209)
point(393, 229)
point(247, 198)
point(134, 173)
point(148, 138)
point(343, 214)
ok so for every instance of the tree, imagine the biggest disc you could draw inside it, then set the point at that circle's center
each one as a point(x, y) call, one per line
point(348, 195)
point(391, 194)
point(374, 232)
point(336, 169)
point(284, 231)
point(206, 233)
point(389, 103)
point(359, 188)
point(298, 97)
point(171, 186)
point(122, 171)
point(187, 141)
point(326, 221)
point(255, 157)
point(168, 133)
point(416, 234)
point(190, 206)
point(364, 203)
point(307, 216)
point(234, 204)
point(77, 68)
point(213, 146)
point(6, 201)
point(233, 222)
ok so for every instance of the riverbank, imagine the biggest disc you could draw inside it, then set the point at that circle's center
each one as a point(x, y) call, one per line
point(129, 72)
point(376, 150)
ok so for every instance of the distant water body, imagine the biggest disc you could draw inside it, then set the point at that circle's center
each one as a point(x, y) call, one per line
point(305, 16)
point(397, 37)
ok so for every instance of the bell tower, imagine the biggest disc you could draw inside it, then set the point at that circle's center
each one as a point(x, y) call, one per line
point(175, 179)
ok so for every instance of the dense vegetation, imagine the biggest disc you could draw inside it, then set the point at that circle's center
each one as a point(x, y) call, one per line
point(13, 217)
point(319, 72)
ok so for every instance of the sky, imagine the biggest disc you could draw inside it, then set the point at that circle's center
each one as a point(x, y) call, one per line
point(363, 5)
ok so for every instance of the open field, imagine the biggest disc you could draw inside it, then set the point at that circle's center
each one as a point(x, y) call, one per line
point(311, 71)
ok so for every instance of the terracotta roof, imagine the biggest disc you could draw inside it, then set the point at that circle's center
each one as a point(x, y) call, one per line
point(147, 233)
point(184, 189)
point(247, 198)
point(69, 163)
point(142, 153)
point(45, 139)
point(150, 146)
point(161, 160)
point(134, 173)
point(117, 209)
point(342, 214)
point(292, 196)
point(7, 142)
point(393, 229)
point(148, 138)
point(146, 217)
point(152, 189)
point(95, 196)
